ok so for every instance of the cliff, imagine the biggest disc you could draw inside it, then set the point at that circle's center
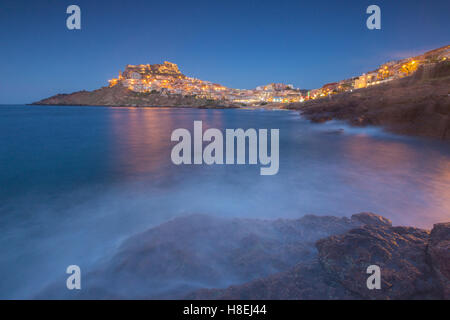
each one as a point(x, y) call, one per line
point(414, 105)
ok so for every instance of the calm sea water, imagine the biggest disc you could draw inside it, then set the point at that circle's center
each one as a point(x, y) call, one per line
point(76, 181)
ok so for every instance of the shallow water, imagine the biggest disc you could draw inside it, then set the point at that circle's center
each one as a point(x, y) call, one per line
point(76, 181)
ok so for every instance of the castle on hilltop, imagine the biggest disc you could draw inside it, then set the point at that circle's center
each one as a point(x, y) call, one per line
point(164, 78)
point(167, 79)
point(159, 70)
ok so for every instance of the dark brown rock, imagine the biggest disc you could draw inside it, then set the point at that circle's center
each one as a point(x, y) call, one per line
point(400, 252)
point(200, 251)
point(302, 282)
point(439, 251)
point(340, 270)
point(206, 257)
point(370, 218)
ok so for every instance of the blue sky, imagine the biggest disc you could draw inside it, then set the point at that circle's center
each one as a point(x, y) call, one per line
point(239, 44)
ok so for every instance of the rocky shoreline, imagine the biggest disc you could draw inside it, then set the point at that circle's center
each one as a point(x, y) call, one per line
point(414, 265)
point(417, 105)
point(119, 96)
point(314, 257)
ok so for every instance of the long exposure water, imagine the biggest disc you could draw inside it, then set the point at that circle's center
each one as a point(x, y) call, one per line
point(76, 181)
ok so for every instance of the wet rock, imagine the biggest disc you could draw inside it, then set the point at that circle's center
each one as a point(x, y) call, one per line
point(416, 105)
point(340, 269)
point(199, 251)
point(314, 257)
point(370, 218)
point(338, 131)
point(304, 281)
point(439, 251)
point(400, 252)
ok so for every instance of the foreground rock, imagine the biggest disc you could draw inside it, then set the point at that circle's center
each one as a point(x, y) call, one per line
point(439, 252)
point(414, 265)
point(201, 251)
point(400, 253)
point(416, 105)
point(308, 258)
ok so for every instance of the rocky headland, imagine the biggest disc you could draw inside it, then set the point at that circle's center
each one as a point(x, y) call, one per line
point(314, 257)
point(119, 96)
point(415, 105)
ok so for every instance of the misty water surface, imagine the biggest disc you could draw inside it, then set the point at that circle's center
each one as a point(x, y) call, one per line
point(76, 181)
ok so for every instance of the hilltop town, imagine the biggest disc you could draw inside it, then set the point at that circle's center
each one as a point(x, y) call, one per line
point(387, 72)
point(166, 79)
point(417, 103)
point(408, 96)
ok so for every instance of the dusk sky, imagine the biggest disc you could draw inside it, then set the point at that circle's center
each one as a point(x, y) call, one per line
point(240, 44)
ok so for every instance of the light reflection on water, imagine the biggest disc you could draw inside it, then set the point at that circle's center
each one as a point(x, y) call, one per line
point(76, 181)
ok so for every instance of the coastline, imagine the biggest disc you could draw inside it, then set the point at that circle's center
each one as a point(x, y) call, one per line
point(308, 267)
point(314, 257)
point(418, 105)
point(119, 96)
point(225, 159)
point(134, 106)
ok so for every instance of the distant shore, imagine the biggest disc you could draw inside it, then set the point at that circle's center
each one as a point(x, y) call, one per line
point(119, 96)
point(418, 105)
point(144, 106)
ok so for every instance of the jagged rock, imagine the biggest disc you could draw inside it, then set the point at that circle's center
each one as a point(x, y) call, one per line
point(339, 272)
point(416, 105)
point(370, 218)
point(199, 251)
point(304, 281)
point(400, 252)
point(308, 258)
point(439, 251)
